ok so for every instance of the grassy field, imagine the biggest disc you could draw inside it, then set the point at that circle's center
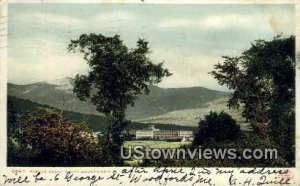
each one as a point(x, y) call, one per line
point(155, 144)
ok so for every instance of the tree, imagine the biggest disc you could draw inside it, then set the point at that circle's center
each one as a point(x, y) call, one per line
point(53, 140)
point(263, 83)
point(217, 127)
point(11, 117)
point(117, 75)
point(261, 76)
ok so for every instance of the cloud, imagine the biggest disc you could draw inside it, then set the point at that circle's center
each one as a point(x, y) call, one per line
point(189, 68)
point(48, 60)
point(46, 18)
point(176, 23)
point(215, 22)
point(109, 21)
point(281, 21)
point(52, 68)
point(227, 21)
point(274, 20)
point(60, 20)
point(43, 55)
point(116, 16)
point(38, 41)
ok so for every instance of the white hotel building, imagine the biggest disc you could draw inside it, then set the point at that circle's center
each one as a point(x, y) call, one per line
point(154, 133)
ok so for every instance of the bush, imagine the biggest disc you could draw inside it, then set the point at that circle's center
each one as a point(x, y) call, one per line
point(52, 140)
point(247, 140)
point(216, 128)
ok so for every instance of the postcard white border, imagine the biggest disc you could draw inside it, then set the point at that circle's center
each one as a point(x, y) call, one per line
point(3, 69)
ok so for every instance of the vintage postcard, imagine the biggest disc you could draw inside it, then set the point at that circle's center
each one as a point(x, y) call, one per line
point(151, 92)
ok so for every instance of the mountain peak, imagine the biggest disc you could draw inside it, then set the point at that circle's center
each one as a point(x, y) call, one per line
point(65, 84)
point(59, 93)
point(59, 81)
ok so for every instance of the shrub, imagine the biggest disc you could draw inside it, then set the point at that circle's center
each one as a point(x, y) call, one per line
point(53, 140)
point(216, 127)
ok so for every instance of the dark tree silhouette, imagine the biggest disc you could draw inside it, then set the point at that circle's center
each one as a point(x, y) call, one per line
point(261, 76)
point(117, 75)
point(263, 83)
point(217, 127)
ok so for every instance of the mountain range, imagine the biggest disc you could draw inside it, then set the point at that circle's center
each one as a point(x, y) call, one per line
point(95, 122)
point(158, 103)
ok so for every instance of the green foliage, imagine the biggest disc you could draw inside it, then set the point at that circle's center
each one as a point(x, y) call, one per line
point(282, 129)
point(247, 140)
point(117, 75)
point(52, 140)
point(263, 83)
point(261, 76)
point(11, 117)
point(216, 127)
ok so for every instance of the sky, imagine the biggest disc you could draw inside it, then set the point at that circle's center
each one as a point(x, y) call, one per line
point(190, 39)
